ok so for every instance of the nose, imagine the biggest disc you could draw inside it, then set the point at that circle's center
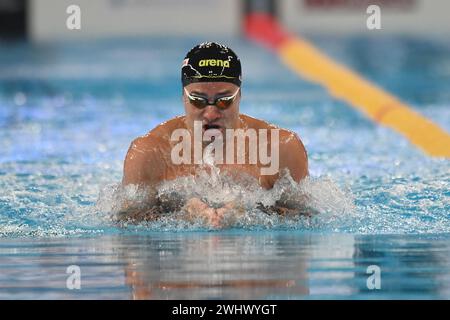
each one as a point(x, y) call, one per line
point(211, 114)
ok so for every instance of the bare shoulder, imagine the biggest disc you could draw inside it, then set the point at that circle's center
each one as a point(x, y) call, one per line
point(157, 137)
point(163, 131)
point(255, 123)
point(288, 138)
point(293, 155)
point(144, 160)
point(291, 140)
point(138, 161)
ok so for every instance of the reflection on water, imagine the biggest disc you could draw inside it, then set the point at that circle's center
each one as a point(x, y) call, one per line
point(215, 266)
point(417, 265)
point(226, 265)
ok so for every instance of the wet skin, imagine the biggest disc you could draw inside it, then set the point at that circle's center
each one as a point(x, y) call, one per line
point(148, 161)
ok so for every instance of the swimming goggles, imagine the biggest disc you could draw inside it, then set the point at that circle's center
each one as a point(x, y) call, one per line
point(222, 103)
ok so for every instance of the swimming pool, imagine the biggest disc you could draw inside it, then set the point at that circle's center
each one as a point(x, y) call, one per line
point(68, 112)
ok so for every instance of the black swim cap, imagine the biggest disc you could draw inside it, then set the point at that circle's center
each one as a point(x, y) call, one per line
point(211, 62)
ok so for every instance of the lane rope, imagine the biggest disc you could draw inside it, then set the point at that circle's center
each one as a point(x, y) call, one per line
point(342, 83)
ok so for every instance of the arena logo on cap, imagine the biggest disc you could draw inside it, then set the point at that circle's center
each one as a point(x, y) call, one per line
point(214, 63)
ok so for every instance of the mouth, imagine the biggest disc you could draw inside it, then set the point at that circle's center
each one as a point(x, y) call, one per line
point(211, 126)
point(212, 131)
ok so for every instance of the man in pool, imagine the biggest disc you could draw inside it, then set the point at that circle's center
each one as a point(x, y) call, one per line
point(211, 80)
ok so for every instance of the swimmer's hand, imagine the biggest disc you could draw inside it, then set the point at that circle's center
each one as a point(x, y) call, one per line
point(214, 217)
point(286, 210)
point(131, 211)
point(138, 214)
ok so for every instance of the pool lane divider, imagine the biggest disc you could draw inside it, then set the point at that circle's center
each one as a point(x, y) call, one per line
point(342, 83)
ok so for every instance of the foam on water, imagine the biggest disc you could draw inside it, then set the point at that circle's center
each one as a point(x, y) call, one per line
point(58, 198)
point(313, 196)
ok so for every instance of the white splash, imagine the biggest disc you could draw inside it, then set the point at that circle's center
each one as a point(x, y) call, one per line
point(316, 197)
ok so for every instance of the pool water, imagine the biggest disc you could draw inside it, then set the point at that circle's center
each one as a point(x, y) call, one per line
point(68, 112)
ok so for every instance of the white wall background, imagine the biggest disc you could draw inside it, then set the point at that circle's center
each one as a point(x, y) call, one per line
point(108, 18)
point(105, 18)
point(425, 17)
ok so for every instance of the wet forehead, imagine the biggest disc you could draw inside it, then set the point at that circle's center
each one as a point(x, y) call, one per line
point(211, 88)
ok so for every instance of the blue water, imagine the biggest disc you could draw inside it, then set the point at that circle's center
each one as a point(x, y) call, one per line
point(68, 112)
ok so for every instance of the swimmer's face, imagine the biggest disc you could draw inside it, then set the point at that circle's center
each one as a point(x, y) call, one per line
point(211, 116)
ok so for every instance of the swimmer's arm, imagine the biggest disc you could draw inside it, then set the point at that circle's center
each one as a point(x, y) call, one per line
point(285, 209)
point(142, 209)
point(294, 158)
point(293, 155)
point(140, 169)
point(138, 214)
point(138, 164)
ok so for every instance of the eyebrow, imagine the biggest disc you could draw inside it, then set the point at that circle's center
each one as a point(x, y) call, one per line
point(197, 93)
point(222, 93)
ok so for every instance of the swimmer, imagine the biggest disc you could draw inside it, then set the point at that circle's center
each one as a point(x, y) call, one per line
point(211, 94)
